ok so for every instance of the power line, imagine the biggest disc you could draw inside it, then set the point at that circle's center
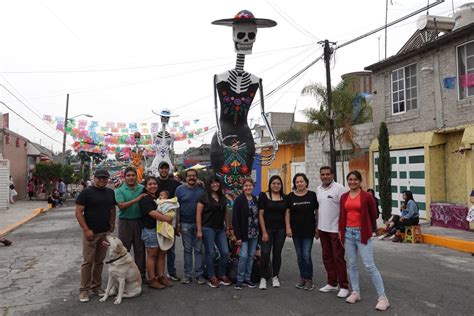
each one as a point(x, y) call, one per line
point(292, 22)
point(36, 128)
point(144, 67)
point(390, 24)
point(19, 100)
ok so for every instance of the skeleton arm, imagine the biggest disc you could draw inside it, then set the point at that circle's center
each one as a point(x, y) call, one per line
point(216, 109)
point(267, 158)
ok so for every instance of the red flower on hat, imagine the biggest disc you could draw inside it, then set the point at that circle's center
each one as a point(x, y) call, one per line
point(244, 14)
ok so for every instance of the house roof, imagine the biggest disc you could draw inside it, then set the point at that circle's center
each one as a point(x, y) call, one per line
point(415, 46)
point(34, 149)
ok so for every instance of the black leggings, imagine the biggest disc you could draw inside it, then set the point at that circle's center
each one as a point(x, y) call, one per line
point(276, 240)
point(407, 222)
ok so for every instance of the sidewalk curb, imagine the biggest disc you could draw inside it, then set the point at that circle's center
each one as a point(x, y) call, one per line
point(449, 242)
point(12, 227)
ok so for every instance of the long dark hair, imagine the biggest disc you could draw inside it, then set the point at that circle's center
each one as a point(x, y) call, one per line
point(409, 196)
point(209, 181)
point(148, 179)
point(273, 178)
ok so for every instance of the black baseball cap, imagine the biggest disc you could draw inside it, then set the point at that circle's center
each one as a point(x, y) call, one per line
point(101, 173)
point(163, 164)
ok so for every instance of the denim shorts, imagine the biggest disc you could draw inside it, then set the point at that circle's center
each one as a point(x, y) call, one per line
point(149, 238)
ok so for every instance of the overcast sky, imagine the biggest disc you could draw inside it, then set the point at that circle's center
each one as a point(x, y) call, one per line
point(118, 60)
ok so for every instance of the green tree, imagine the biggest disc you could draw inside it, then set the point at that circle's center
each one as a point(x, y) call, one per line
point(291, 135)
point(68, 174)
point(345, 118)
point(49, 173)
point(385, 171)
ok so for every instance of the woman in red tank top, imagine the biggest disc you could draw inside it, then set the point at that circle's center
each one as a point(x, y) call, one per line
point(357, 216)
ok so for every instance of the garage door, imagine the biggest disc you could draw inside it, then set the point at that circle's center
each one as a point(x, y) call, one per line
point(408, 173)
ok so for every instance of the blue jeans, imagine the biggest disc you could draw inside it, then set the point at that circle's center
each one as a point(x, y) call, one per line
point(210, 237)
point(353, 246)
point(303, 246)
point(170, 259)
point(190, 243)
point(247, 250)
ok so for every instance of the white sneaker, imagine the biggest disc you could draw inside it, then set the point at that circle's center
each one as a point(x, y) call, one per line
point(392, 237)
point(328, 288)
point(381, 237)
point(353, 298)
point(343, 293)
point(263, 284)
point(382, 304)
point(275, 282)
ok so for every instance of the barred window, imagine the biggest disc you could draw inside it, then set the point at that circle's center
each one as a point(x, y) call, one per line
point(404, 89)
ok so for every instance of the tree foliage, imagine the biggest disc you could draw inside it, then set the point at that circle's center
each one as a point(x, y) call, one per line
point(49, 173)
point(348, 109)
point(344, 101)
point(293, 134)
point(385, 171)
point(68, 174)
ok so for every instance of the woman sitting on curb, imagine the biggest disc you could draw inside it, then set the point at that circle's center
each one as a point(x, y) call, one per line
point(410, 215)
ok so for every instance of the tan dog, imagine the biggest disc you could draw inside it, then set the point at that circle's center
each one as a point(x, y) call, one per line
point(124, 276)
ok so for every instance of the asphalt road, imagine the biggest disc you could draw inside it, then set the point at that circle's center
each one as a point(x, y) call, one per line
point(39, 275)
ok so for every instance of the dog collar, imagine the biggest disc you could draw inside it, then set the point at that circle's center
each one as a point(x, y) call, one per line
point(113, 260)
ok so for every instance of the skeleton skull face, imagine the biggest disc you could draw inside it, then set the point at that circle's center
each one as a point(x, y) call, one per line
point(165, 119)
point(244, 37)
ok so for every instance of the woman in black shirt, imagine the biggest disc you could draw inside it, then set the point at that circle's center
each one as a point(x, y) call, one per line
point(272, 206)
point(212, 228)
point(301, 226)
point(155, 258)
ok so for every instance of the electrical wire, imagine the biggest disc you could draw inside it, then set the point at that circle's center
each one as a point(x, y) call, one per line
point(145, 67)
point(36, 128)
point(292, 22)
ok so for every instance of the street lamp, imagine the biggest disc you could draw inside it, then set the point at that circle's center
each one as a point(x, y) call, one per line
point(66, 119)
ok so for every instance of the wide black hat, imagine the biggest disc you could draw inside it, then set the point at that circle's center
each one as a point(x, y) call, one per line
point(245, 17)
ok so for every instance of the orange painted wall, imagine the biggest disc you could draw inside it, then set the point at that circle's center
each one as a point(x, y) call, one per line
point(287, 153)
point(361, 164)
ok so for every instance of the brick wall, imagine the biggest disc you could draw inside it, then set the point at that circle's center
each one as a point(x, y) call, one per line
point(438, 106)
point(317, 151)
point(15, 150)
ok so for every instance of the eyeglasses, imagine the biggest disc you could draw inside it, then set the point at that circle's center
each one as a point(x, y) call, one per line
point(102, 178)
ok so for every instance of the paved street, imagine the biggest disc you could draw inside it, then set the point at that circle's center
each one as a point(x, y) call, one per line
point(39, 275)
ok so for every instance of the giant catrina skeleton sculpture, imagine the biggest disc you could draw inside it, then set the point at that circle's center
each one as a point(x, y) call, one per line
point(163, 144)
point(233, 147)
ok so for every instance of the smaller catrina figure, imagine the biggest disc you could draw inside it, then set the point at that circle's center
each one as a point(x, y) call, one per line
point(137, 157)
point(163, 143)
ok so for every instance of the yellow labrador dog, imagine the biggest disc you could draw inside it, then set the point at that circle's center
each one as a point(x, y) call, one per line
point(124, 276)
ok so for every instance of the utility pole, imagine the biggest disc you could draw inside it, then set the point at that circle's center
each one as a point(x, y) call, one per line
point(332, 139)
point(65, 125)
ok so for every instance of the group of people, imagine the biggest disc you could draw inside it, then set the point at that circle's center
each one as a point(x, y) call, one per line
point(342, 219)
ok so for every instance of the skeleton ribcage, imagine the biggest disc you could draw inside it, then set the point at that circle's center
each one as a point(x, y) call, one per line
point(239, 82)
point(160, 134)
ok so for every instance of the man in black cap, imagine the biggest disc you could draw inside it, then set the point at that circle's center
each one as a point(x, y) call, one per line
point(166, 182)
point(95, 212)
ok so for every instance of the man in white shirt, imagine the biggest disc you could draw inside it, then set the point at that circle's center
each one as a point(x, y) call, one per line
point(329, 196)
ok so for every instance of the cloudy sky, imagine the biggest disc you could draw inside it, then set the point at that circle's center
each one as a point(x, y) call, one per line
point(118, 59)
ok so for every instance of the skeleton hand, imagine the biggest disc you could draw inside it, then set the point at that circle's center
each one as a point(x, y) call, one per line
point(118, 300)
